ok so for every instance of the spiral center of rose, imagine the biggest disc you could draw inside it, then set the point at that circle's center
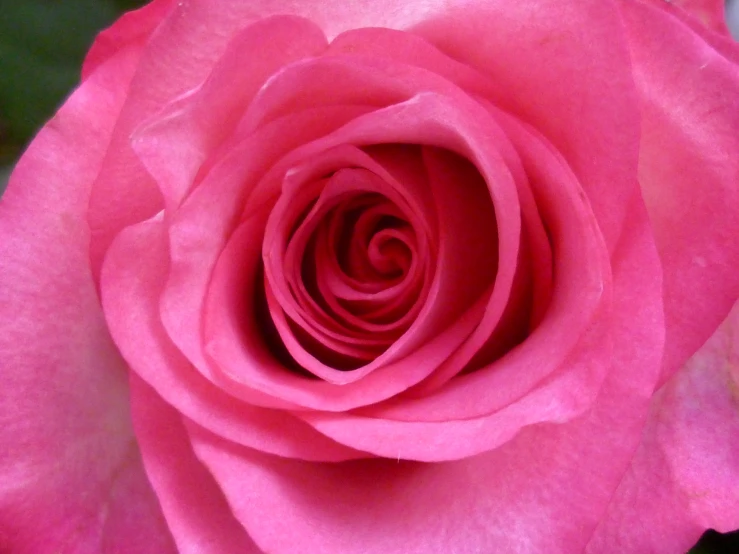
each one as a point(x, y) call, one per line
point(358, 265)
point(350, 268)
point(370, 240)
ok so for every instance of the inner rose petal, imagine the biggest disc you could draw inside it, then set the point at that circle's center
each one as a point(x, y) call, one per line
point(360, 292)
point(578, 288)
point(202, 225)
point(367, 205)
point(476, 197)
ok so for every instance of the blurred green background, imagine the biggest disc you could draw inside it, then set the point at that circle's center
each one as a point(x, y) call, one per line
point(42, 45)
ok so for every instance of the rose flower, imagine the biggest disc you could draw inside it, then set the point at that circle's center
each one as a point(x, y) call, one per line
point(378, 277)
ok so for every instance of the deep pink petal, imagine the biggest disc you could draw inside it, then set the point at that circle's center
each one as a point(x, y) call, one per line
point(467, 255)
point(367, 78)
point(283, 259)
point(433, 120)
point(197, 514)
point(202, 226)
point(70, 473)
point(179, 139)
point(133, 275)
point(524, 497)
point(176, 59)
point(688, 171)
point(683, 479)
point(238, 341)
point(132, 28)
point(565, 69)
point(333, 16)
point(582, 283)
point(181, 311)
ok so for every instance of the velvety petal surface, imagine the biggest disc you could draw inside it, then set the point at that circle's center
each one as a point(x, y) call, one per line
point(131, 28)
point(203, 223)
point(547, 353)
point(195, 508)
point(176, 59)
point(203, 226)
point(526, 496)
point(180, 138)
point(333, 16)
point(688, 171)
point(71, 478)
point(554, 63)
point(427, 119)
point(683, 479)
point(131, 284)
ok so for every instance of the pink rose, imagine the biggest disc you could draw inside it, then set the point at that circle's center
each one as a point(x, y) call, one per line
point(378, 277)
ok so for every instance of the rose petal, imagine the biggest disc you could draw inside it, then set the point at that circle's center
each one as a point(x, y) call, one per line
point(333, 16)
point(125, 193)
point(196, 511)
point(130, 286)
point(236, 340)
point(184, 134)
point(579, 283)
point(688, 171)
point(683, 479)
point(283, 260)
point(466, 264)
point(555, 63)
point(411, 122)
point(509, 500)
point(184, 328)
point(305, 83)
point(505, 315)
point(70, 473)
point(131, 29)
point(565, 395)
point(201, 227)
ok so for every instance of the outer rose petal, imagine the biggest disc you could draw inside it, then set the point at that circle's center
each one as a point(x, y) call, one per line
point(169, 69)
point(333, 16)
point(689, 172)
point(132, 27)
point(71, 479)
point(196, 511)
point(525, 497)
point(130, 285)
point(187, 131)
point(177, 58)
point(684, 476)
point(555, 63)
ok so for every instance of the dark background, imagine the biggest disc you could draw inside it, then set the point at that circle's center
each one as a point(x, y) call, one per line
point(42, 44)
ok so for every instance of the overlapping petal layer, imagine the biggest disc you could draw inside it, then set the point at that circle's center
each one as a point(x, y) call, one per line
point(402, 288)
point(131, 286)
point(71, 477)
point(693, 116)
point(682, 480)
point(483, 502)
point(196, 511)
